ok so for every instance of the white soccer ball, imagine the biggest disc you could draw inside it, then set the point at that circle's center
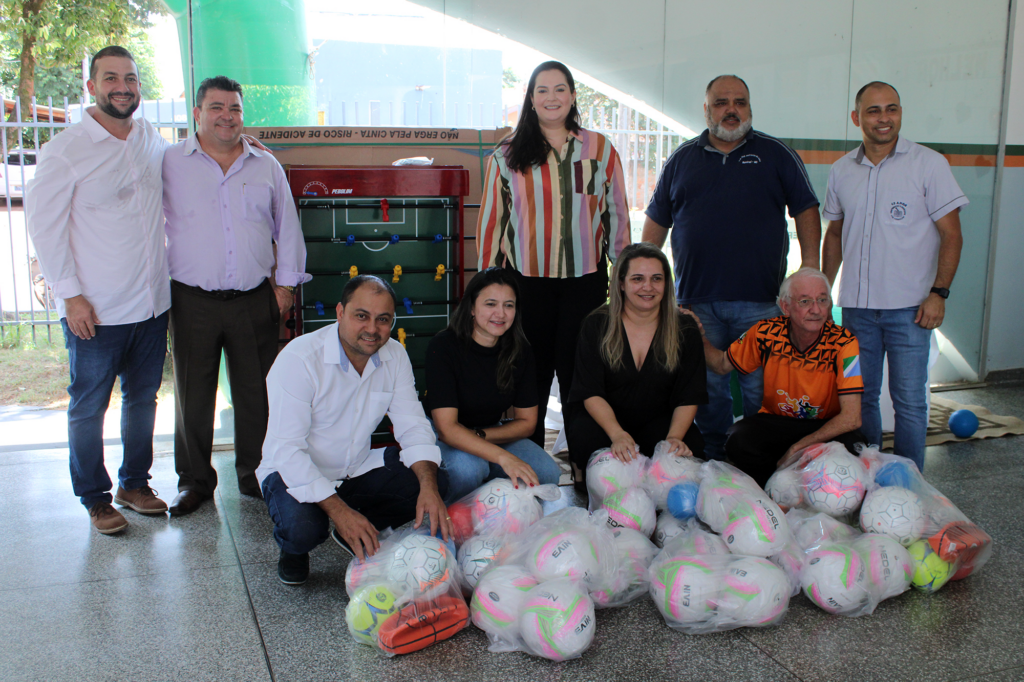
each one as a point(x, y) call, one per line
point(685, 588)
point(834, 482)
point(889, 565)
point(894, 512)
point(818, 529)
point(421, 563)
point(631, 508)
point(756, 528)
point(557, 620)
point(791, 560)
point(667, 470)
point(498, 599)
point(697, 541)
point(785, 487)
point(754, 592)
point(667, 528)
point(565, 554)
point(834, 578)
point(606, 475)
point(475, 556)
point(634, 553)
point(498, 502)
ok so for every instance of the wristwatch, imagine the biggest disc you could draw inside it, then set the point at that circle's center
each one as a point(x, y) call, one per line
point(481, 433)
point(941, 291)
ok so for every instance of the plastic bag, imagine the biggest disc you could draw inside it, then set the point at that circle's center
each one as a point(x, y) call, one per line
point(667, 470)
point(629, 581)
point(607, 475)
point(557, 620)
point(733, 505)
point(498, 506)
point(667, 528)
point(900, 504)
point(824, 478)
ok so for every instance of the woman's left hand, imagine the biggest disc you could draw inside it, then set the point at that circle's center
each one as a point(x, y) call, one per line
point(678, 448)
point(517, 469)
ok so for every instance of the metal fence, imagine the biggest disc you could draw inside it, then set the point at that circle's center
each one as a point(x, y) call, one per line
point(27, 308)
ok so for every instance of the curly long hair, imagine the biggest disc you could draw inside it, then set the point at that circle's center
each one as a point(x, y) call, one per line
point(512, 343)
point(526, 146)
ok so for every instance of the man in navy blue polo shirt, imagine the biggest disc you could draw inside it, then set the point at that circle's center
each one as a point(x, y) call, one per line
point(724, 195)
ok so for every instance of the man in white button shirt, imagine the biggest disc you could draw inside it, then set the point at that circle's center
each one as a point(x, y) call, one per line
point(894, 212)
point(226, 205)
point(95, 219)
point(328, 390)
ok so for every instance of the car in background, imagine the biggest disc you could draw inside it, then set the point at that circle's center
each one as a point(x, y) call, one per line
point(12, 179)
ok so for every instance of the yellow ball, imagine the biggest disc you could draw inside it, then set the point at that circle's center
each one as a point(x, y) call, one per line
point(367, 610)
point(930, 571)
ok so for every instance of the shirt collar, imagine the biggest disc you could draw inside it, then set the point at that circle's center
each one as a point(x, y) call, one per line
point(705, 142)
point(192, 145)
point(902, 147)
point(98, 133)
point(334, 354)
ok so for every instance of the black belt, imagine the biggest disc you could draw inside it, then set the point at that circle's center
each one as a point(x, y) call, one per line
point(222, 294)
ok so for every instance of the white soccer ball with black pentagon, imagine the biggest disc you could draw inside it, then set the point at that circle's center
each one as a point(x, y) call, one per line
point(475, 556)
point(834, 483)
point(499, 499)
point(894, 512)
point(421, 564)
point(667, 528)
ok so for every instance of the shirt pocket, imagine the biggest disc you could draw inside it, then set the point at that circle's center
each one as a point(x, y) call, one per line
point(902, 210)
point(587, 177)
point(256, 204)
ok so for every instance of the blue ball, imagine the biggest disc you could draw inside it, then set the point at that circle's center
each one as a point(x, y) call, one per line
point(682, 500)
point(894, 474)
point(963, 423)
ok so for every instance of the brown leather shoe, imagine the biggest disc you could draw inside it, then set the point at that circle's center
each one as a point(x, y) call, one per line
point(142, 500)
point(186, 502)
point(106, 519)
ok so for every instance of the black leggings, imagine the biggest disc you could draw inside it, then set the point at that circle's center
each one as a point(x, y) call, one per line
point(755, 444)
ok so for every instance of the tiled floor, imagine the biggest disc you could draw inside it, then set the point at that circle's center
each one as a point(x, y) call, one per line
point(198, 598)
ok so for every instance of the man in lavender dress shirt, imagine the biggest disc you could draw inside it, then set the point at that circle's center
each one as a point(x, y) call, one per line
point(226, 205)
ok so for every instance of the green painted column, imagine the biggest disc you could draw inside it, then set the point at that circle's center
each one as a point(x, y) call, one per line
point(259, 43)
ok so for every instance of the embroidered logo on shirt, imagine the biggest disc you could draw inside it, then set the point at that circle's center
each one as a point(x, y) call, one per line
point(898, 210)
point(750, 158)
point(801, 408)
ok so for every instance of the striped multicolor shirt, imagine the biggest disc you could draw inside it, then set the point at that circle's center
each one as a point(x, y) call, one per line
point(559, 219)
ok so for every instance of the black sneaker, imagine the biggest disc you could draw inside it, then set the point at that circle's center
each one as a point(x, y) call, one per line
point(341, 542)
point(293, 569)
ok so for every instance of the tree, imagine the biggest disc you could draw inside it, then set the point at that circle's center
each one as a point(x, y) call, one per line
point(509, 79)
point(59, 33)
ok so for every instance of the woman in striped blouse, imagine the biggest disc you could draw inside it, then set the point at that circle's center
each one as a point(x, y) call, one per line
point(554, 212)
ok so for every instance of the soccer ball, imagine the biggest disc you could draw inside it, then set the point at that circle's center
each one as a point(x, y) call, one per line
point(498, 600)
point(756, 529)
point(606, 474)
point(558, 621)
point(895, 473)
point(812, 531)
point(634, 553)
point(790, 560)
point(681, 501)
point(421, 563)
point(930, 571)
point(834, 482)
point(631, 508)
point(889, 566)
point(668, 470)
point(895, 512)
point(475, 556)
point(367, 610)
point(721, 490)
point(498, 502)
point(754, 592)
point(565, 554)
point(685, 588)
point(697, 541)
point(835, 579)
point(785, 487)
point(667, 528)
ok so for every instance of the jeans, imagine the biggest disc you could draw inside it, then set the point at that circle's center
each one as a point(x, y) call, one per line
point(386, 496)
point(724, 322)
point(468, 472)
point(135, 353)
point(893, 334)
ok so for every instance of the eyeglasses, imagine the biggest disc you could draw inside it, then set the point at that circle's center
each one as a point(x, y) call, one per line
point(822, 301)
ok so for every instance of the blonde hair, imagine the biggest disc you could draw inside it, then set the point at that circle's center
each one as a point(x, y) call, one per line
point(665, 345)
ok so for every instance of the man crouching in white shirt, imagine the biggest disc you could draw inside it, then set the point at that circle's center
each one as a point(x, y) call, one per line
point(328, 390)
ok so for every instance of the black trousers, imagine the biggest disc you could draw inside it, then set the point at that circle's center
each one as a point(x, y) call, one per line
point(245, 328)
point(755, 444)
point(552, 311)
point(585, 435)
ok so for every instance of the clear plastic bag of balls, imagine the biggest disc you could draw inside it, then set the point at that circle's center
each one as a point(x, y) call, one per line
point(900, 504)
point(499, 506)
point(702, 593)
point(478, 552)
point(824, 478)
point(607, 475)
point(847, 572)
point(407, 596)
point(672, 480)
point(735, 507)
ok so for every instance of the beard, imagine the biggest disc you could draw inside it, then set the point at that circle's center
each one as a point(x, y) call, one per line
point(108, 108)
point(725, 135)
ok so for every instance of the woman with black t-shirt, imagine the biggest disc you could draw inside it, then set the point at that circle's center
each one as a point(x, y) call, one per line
point(478, 368)
point(639, 368)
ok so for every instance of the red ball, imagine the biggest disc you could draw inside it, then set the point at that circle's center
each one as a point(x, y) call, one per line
point(462, 521)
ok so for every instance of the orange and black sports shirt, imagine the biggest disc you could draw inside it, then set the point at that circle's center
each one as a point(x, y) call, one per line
point(803, 385)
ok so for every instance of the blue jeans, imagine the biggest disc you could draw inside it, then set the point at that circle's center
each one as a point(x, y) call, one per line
point(724, 322)
point(468, 472)
point(135, 353)
point(893, 334)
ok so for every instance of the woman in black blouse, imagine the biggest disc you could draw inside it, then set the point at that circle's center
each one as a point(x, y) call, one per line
point(639, 368)
point(476, 370)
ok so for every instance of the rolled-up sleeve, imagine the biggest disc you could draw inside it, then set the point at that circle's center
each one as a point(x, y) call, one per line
point(48, 214)
point(412, 430)
point(291, 247)
point(291, 387)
